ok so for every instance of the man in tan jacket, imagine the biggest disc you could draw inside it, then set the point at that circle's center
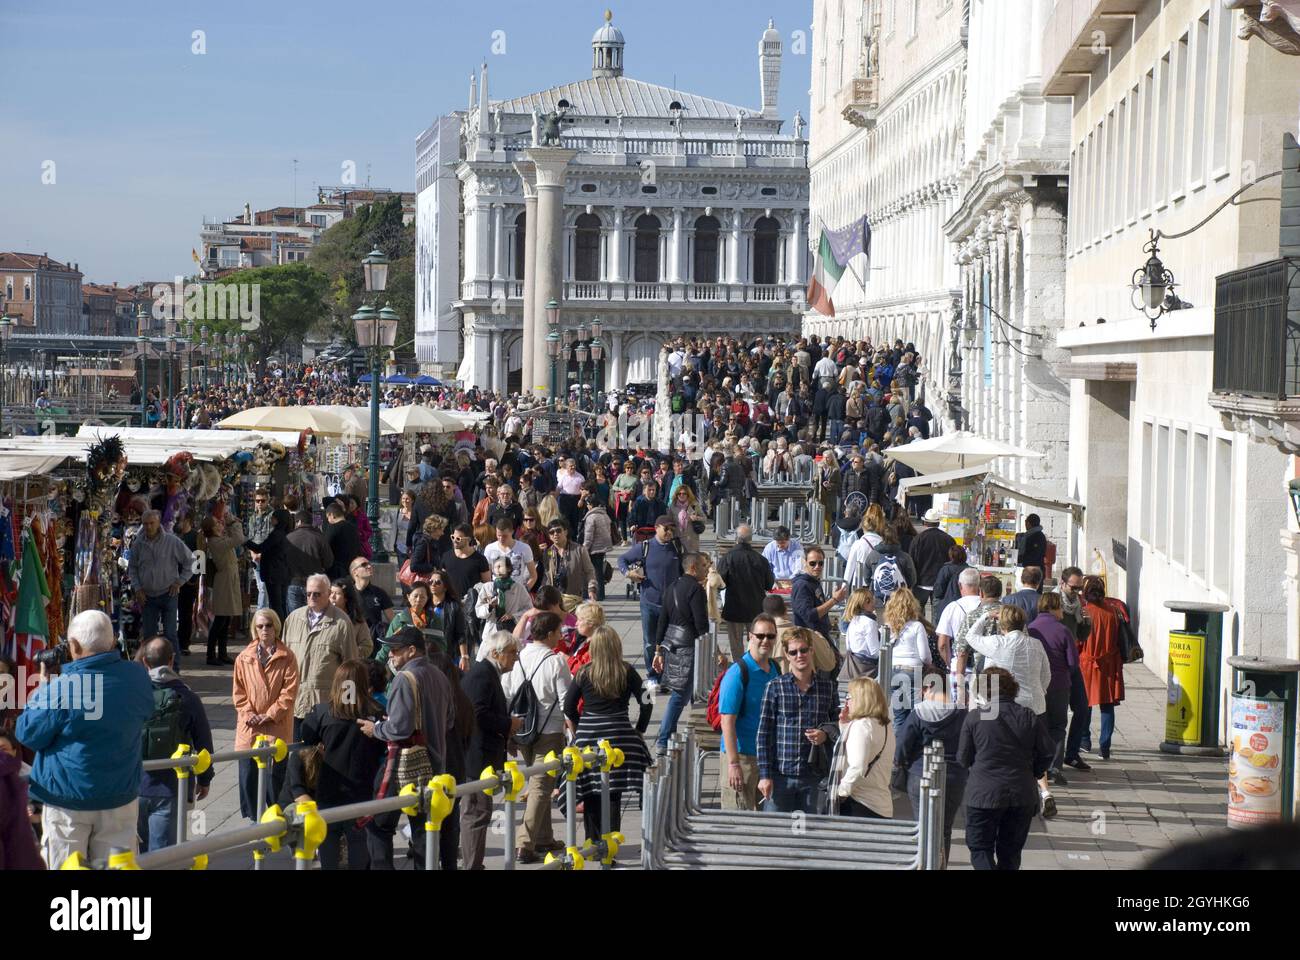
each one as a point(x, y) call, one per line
point(320, 636)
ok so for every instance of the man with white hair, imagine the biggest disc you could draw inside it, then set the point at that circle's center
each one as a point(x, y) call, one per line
point(160, 565)
point(493, 726)
point(84, 726)
point(320, 636)
point(968, 583)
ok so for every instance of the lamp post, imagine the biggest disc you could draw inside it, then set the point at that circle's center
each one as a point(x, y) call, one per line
point(172, 347)
point(189, 355)
point(6, 329)
point(553, 343)
point(203, 356)
point(243, 357)
point(378, 331)
point(142, 346)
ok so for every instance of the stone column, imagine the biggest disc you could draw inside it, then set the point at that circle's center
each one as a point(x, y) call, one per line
point(498, 241)
point(795, 276)
point(675, 256)
point(568, 256)
point(528, 174)
point(497, 381)
point(483, 241)
point(733, 255)
point(616, 248)
point(616, 360)
point(550, 164)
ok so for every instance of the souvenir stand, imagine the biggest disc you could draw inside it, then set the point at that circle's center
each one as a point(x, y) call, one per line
point(74, 506)
point(979, 511)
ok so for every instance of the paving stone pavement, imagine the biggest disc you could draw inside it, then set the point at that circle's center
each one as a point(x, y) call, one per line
point(1127, 809)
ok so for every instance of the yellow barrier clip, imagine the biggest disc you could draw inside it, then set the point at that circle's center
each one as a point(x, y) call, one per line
point(573, 858)
point(576, 765)
point(440, 803)
point(281, 750)
point(314, 829)
point(274, 814)
point(613, 756)
point(75, 861)
point(613, 841)
point(260, 741)
point(516, 780)
point(200, 862)
point(182, 750)
point(411, 790)
point(551, 758)
point(203, 763)
point(122, 861)
point(489, 773)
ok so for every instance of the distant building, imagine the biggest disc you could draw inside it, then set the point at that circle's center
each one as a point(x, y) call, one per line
point(283, 235)
point(43, 295)
point(682, 215)
point(99, 309)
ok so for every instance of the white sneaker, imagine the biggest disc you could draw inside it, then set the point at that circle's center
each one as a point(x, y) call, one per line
point(1049, 804)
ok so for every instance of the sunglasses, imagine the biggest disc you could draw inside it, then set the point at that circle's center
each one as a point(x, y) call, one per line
point(816, 563)
point(763, 636)
point(801, 652)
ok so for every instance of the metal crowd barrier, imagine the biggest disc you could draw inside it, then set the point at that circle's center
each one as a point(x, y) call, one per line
point(678, 834)
point(303, 828)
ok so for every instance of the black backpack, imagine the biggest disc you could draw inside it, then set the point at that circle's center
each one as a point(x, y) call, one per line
point(524, 703)
point(164, 731)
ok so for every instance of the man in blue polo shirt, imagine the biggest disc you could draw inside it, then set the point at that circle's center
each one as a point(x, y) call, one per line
point(740, 702)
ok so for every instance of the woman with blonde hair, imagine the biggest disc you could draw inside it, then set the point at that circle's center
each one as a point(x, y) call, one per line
point(829, 481)
point(685, 511)
point(875, 529)
point(861, 634)
point(867, 739)
point(605, 686)
point(548, 509)
point(265, 689)
point(911, 650)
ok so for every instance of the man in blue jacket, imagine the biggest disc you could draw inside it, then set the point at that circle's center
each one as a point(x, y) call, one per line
point(808, 602)
point(655, 564)
point(84, 726)
point(157, 818)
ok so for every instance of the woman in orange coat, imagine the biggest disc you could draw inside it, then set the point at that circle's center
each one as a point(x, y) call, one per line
point(1101, 662)
point(266, 685)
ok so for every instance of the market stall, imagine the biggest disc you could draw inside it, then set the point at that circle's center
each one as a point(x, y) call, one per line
point(979, 513)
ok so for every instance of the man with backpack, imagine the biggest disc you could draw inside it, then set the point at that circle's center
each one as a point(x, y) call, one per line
point(738, 698)
point(887, 568)
point(654, 564)
point(178, 717)
point(538, 684)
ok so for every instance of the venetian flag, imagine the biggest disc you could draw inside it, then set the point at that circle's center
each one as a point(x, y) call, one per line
point(837, 249)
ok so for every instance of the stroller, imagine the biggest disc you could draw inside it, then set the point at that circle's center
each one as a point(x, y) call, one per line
point(639, 535)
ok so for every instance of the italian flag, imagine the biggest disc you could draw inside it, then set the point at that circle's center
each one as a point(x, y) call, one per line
point(825, 278)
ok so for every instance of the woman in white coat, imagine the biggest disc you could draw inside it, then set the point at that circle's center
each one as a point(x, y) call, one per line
point(867, 736)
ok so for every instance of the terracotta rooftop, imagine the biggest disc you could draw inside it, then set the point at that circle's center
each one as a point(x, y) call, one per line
point(29, 261)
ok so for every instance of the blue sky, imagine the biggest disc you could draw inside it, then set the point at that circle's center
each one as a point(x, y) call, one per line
point(146, 137)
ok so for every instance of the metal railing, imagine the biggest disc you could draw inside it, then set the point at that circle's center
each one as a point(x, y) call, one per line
point(1257, 330)
point(678, 834)
point(304, 828)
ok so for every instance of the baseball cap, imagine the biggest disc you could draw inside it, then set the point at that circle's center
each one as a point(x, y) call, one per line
point(406, 637)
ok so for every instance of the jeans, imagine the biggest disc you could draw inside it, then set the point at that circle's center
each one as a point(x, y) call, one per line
point(185, 614)
point(295, 597)
point(262, 599)
point(851, 808)
point(339, 835)
point(677, 702)
point(902, 695)
point(995, 836)
point(836, 430)
point(1081, 716)
point(155, 608)
point(649, 630)
point(793, 793)
point(1079, 728)
point(156, 823)
point(1058, 703)
point(598, 561)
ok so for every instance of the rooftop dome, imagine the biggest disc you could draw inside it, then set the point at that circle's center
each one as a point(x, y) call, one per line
point(771, 33)
point(607, 49)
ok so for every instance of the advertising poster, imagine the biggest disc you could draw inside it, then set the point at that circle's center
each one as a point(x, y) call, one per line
point(1255, 764)
point(1186, 669)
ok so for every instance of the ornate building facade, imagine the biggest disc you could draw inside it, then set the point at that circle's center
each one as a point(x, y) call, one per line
point(681, 215)
point(1008, 231)
point(888, 88)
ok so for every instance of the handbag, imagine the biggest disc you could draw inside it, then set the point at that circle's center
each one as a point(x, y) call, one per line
point(856, 666)
point(1129, 647)
point(408, 577)
point(414, 765)
point(697, 526)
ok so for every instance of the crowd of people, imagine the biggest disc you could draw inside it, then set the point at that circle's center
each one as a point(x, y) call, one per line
point(499, 641)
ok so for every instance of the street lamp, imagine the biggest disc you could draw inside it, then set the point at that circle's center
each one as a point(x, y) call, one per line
point(377, 331)
point(189, 355)
point(1153, 284)
point(553, 351)
point(172, 347)
point(597, 355)
point(142, 346)
point(6, 329)
point(203, 356)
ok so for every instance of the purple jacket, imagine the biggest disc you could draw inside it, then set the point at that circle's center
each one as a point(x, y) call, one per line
point(17, 842)
point(1062, 650)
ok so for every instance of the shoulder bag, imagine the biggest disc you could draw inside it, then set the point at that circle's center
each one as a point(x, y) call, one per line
point(414, 765)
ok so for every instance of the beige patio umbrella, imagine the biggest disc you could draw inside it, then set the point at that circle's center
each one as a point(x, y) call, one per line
point(955, 451)
point(421, 419)
point(325, 423)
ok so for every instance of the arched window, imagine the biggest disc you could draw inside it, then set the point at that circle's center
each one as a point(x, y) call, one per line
point(586, 249)
point(767, 245)
point(647, 249)
point(521, 234)
point(706, 250)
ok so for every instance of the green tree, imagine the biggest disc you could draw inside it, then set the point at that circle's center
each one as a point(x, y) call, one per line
point(291, 299)
point(338, 255)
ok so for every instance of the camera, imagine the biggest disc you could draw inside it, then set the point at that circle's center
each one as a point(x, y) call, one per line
point(55, 656)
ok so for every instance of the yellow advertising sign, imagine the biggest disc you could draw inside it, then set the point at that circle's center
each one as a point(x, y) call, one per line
point(1186, 672)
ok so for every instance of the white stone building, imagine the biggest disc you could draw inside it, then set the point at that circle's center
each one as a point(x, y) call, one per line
point(1008, 229)
point(681, 214)
point(888, 86)
point(1172, 116)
